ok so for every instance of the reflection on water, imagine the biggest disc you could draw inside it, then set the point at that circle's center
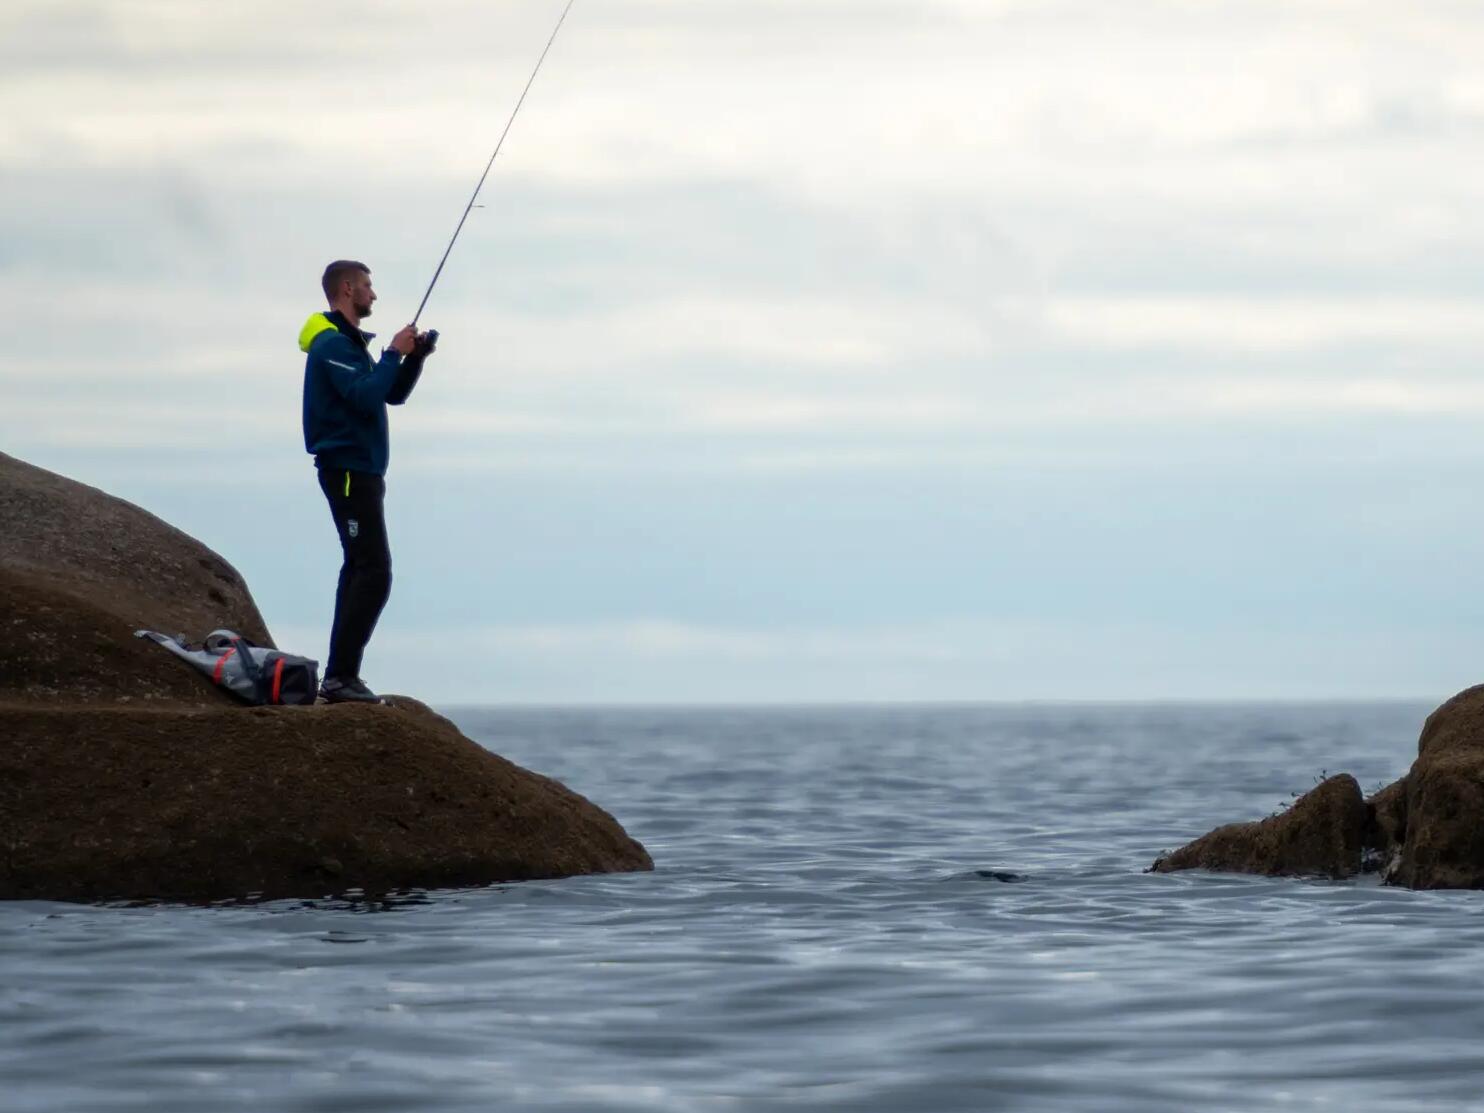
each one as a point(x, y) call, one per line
point(893, 909)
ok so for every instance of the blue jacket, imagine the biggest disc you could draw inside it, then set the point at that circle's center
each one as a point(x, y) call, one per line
point(346, 395)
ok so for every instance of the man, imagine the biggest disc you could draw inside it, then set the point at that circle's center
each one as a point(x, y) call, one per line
point(345, 428)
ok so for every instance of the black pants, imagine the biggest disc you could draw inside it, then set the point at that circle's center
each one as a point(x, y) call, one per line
point(356, 503)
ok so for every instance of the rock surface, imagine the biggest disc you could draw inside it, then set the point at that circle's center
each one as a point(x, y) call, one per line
point(1425, 831)
point(213, 802)
point(1322, 834)
point(125, 775)
point(1386, 832)
point(61, 647)
point(121, 559)
point(1444, 817)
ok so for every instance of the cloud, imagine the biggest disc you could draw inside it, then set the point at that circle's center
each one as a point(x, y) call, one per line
point(1285, 324)
point(748, 269)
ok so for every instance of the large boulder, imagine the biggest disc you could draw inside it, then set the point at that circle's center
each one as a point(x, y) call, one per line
point(125, 775)
point(1443, 846)
point(59, 646)
point(117, 557)
point(1322, 834)
point(214, 802)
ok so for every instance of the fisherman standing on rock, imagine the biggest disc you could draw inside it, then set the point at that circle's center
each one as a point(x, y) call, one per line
point(345, 428)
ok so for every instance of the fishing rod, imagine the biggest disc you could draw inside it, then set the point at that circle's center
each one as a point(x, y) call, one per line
point(490, 165)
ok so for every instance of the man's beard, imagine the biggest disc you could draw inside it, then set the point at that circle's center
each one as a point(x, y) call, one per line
point(363, 310)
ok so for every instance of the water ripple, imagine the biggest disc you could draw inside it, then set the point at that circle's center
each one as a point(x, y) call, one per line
point(894, 909)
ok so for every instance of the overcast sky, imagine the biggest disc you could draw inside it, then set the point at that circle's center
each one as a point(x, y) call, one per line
point(803, 349)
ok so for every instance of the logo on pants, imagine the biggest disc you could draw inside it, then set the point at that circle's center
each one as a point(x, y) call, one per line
point(353, 527)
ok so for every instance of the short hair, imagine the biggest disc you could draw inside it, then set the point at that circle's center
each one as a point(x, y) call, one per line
point(336, 273)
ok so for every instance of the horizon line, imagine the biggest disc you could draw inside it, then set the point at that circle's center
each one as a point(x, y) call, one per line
point(946, 704)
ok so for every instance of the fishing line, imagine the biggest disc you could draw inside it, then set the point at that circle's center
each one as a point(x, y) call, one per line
point(489, 165)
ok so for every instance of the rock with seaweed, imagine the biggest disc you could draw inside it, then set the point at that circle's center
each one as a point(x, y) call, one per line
point(1423, 831)
point(1321, 834)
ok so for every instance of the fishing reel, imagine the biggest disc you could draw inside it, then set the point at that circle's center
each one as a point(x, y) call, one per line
point(424, 345)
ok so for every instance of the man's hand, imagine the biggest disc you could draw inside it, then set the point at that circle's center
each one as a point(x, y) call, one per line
point(405, 341)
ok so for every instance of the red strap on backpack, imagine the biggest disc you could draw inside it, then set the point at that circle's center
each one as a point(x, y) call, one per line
point(221, 664)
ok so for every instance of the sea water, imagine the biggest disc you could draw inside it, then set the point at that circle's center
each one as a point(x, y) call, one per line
point(856, 909)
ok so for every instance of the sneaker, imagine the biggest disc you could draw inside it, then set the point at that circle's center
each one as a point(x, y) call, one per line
point(354, 690)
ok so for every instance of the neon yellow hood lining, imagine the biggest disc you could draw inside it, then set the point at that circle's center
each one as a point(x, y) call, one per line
point(316, 324)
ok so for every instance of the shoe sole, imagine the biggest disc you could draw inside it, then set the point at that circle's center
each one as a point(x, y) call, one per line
point(322, 698)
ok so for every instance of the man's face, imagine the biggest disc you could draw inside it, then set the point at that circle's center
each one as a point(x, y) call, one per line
point(361, 293)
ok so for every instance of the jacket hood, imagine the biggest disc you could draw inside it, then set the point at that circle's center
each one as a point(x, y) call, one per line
point(317, 323)
point(328, 322)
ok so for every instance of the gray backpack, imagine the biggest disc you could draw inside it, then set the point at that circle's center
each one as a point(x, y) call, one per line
point(248, 671)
